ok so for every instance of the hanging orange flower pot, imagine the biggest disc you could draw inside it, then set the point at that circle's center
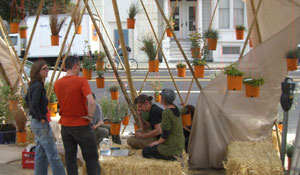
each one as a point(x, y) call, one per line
point(250, 43)
point(195, 52)
point(99, 65)
point(136, 127)
point(169, 33)
point(100, 82)
point(212, 43)
point(23, 33)
point(199, 71)
point(181, 71)
point(280, 126)
point(157, 97)
point(52, 107)
point(153, 65)
point(114, 95)
point(54, 40)
point(21, 137)
point(14, 27)
point(13, 104)
point(115, 128)
point(292, 64)
point(130, 23)
point(239, 34)
point(87, 73)
point(234, 82)
point(252, 91)
point(125, 120)
point(79, 30)
point(186, 119)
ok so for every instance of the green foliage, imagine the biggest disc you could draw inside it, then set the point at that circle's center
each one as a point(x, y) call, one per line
point(294, 54)
point(113, 110)
point(254, 82)
point(105, 104)
point(133, 10)
point(156, 86)
point(5, 116)
point(100, 56)
point(114, 88)
point(87, 63)
point(211, 34)
point(195, 39)
point(100, 73)
point(53, 98)
point(16, 20)
point(197, 62)
point(149, 47)
point(233, 71)
point(240, 27)
point(23, 27)
point(180, 65)
point(290, 149)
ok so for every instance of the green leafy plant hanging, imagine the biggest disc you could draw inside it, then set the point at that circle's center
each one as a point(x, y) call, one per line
point(233, 71)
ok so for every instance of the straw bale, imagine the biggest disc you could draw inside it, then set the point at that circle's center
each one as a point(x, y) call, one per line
point(275, 141)
point(252, 158)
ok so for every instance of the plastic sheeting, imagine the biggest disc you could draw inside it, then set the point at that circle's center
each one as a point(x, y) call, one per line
point(224, 116)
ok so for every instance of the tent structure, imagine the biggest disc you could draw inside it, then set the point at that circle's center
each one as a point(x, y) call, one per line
point(224, 116)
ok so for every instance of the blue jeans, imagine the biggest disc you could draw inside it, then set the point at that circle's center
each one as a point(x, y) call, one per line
point(84, 137)
point(45, 150)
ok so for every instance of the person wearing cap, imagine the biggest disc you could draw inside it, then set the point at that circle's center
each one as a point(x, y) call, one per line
point(150, 116)
point(171, 143)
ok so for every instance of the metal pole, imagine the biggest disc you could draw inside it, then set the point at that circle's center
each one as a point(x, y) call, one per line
point(284, 135)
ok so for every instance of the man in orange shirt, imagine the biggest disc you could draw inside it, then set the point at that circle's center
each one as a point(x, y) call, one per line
point(77, 107)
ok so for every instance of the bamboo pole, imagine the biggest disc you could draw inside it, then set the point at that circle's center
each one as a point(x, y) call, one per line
point(124, 50)
point(188, 94)
point(250, 30)
point(178, 44)
point(257, 25)
point(277, 134)
point(32, 34)
point(154, 33)
point(62, 47)
point(130, 105)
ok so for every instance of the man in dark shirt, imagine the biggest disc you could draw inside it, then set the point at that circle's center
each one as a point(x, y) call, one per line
point(150, 116)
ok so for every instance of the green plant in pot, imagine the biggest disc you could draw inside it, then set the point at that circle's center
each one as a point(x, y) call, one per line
point(55, 25)
point(114, 92)
point(132, 12)
point(239, 31)
point(181, 69)
point(195, 39)
point(212, 38)
point(149, 47)
point(99, 59)
point(252, 86)
point(199, 67)
point(157, 87)
point(87, 67)
point(52, 101)
point(23, 31)
point(234, 77)
point(100, 79)
point(292, 59)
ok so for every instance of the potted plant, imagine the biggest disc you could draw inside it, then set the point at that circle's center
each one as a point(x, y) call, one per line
point(100, 60)
point(252, 86)
point(292, 59)
point(239, 32)
point(23, 31)
point(168, 30)
point(185, 117)
point(100, 79)
point(199, 67)
point(212, 38)
point(105, 104)
point(290, 147)
point(20, 119)
point(125, 111)
point(132, 12)
point(195, 38)
point(115, 117)
point(149, 47)
point(77, 21)
point(250, 43)
point(114, 92)
point(87, 67)
point(156, 86)
point(55, 25)
point(181, 67)
point(52, 102)
point(14, 25)
point(234, 77)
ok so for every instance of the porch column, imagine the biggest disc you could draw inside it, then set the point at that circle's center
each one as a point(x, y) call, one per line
point(166, 40)
point(199, 16)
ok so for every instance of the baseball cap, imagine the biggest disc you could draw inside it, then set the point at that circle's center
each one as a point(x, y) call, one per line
point(168, 95)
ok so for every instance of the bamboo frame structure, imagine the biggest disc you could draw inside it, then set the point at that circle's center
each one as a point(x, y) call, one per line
point(257, 25)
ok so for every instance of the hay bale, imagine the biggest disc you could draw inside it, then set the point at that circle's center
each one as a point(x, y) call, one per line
point(252, 158)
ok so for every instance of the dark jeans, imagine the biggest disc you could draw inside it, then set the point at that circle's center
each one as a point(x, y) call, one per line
point(152, 152)
point(85, 138)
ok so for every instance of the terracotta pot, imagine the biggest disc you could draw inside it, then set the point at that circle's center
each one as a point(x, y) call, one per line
point(21, 137)
point(115, 128)
point(292, 64)
point(106, 123)
point(212, 43)
point(87, 73)
point(130, 23)
point(14, 27)
point(100, 82)
point(289, 163)
point(181, 71)
point(250, 43)
point(199, 71)
point(169, 33)
point(52, 107)
point(157, 97)
point(280, 126)
point(186, 119)
point(114, 95)
point(99, 65)
point(23, 33)
point(136, 127)
point(54, 40)
point(251, 91)
point(125, 120)
point(153, 65)
point(239, 34)
point(13, 104)
point(79, 30)
point(234, 82)
point(196, 53)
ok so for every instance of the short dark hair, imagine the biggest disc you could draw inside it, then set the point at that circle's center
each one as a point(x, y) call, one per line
point(142, 99)
point(70, 62)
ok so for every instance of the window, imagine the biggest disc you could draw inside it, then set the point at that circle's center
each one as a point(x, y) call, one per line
point(238, 12)
point(229, 50)
point(224, 14)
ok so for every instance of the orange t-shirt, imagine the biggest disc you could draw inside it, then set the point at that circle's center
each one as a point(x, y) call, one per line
point(71, 92)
